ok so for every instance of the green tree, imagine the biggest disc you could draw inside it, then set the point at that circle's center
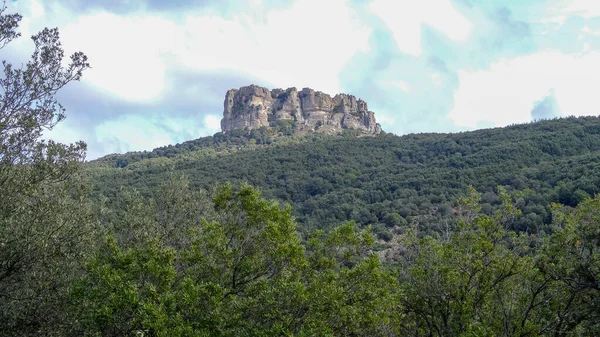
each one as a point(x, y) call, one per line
point(571, 258)
point(126, 291)
point(201, 281)
point(471, 281)
point(248, 246)
point(235, 268)
point(483, 280)
point(43, 219)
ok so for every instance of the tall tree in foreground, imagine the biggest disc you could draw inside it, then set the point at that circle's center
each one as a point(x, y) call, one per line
point(43, 221)
point(484, 280)
point(571, 257)
point(239, 270)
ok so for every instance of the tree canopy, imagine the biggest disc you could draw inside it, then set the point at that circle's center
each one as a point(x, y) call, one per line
point(44, 224)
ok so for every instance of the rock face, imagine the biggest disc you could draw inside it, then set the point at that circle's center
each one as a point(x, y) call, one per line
point(253, 107)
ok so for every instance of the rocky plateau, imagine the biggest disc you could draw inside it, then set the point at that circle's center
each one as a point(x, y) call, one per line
point(253, 107)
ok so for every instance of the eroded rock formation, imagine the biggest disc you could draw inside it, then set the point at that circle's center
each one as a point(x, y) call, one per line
point(253, 107)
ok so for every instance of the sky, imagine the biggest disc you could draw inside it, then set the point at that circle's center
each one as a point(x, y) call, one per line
point(160, 69)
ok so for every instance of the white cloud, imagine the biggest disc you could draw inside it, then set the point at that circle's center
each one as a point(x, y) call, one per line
point(212, 123)
point(37, 9)
point(125, 53)
point(33, 13)
point(585, 8)
point(132, 133)
point(404, 18)
point(298, 46)
point(586, 31)
point(138, 132)
point(64, 133)
point(386, 118)
point(561, 9)
point(402, 85)
point(130, 55)
point(506, 92)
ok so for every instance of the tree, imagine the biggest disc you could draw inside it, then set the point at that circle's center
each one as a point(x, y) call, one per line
point(158, 281)
point(484, 280)
point(457, 285)
point(236, 268)
point(43, 217)
point(571, 258)
point(126, 291)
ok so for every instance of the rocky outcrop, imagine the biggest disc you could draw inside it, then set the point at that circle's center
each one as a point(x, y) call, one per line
point(253, 107)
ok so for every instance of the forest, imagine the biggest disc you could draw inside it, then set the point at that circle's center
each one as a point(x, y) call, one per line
point(387, 181)
point(263, 233)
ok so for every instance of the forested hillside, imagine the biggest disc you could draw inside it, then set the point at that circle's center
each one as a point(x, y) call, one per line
point(386, 181)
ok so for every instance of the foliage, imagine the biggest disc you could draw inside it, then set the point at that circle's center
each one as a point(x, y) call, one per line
point(125, 291)
point(244, 272)
point(482, 280)
point(44, 219)
point(572, 257)
point(386, 181)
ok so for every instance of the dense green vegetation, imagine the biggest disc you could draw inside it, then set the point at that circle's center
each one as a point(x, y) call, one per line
point(233, 265)
point(153, 244)
point(386, 181)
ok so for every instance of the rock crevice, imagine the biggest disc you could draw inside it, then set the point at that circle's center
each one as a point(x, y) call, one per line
point(253, 107)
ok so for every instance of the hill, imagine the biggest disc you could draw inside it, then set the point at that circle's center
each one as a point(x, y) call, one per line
point(387, 181)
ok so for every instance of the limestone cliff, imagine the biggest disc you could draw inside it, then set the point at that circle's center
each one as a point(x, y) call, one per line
point(253, 107)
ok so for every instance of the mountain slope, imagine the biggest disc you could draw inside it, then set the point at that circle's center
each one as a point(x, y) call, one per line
point(387, 181)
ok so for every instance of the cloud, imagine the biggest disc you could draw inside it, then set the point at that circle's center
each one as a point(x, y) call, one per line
point(508, 25)
point(130, 54)
point(586, 31)
point(426, 62)
point(562, 10)
point(585, 8)
point(508, 91)
point(186, 110)
point(546, 108)
point(400, 84)
point(499, 33)
point(283, 49)
point(128, 6)
point(407, 94)
point(125, 54)
point(404, 19)
point(143, 131)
